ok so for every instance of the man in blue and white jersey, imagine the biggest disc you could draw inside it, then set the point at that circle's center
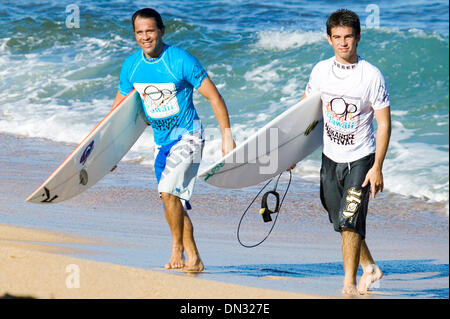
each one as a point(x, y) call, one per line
point(165, 77)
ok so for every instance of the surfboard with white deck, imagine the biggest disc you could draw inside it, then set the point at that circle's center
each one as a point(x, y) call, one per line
point(286, 140)
point(97, 154)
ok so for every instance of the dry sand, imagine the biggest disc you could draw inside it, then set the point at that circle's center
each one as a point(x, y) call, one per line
point(29, 267)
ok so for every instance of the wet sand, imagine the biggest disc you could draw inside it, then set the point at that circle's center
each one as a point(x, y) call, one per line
point(117, 230)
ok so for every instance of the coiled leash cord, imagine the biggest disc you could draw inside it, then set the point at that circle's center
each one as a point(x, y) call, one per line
point(265, 211)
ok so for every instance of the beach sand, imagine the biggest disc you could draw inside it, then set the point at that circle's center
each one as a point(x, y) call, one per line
point(35, 263)
point(37, 271)
point(116, 236)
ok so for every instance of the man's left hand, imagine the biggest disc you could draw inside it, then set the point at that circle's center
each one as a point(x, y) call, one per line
point(374, 177)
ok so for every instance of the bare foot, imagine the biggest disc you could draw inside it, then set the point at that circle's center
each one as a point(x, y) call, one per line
point(176, 260)
point(371, 274)
point(195, 265)
point(349, 290)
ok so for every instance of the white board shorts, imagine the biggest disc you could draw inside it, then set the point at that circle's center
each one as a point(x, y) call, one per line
point(176, 166)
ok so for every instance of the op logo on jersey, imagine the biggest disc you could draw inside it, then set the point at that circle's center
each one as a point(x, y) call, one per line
point(160, 100)
point(342, 120)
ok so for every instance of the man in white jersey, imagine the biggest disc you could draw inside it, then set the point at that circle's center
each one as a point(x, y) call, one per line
point(353, 92)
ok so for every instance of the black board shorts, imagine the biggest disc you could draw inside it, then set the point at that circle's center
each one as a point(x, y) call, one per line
point(342, 195)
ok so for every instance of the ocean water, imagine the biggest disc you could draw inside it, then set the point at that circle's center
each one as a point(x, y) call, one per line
point(60, 64)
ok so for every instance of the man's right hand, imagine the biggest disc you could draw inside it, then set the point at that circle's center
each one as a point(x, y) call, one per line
point(228, 143)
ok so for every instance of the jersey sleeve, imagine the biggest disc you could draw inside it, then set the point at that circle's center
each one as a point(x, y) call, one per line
point(192, 71)
point(313, 82)
point(379, 94)
point(125, 86)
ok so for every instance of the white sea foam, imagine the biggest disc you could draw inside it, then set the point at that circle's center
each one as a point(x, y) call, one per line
point(264, 76)
point(406, 174)
point(418, 33)
point(56, 122)
point(285, 40)
point(398, 113)
point(3, 48)
point(308, 169)
point(415, 169)
point(412, 32)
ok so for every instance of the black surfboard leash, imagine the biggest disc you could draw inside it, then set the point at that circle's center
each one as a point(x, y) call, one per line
point(265, 211)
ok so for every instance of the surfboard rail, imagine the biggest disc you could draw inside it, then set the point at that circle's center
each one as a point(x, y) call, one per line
point(85, 150)
point(299, 132)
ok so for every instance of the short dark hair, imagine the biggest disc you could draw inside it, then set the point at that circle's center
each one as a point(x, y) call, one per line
point(344, 18)
point(149, 13)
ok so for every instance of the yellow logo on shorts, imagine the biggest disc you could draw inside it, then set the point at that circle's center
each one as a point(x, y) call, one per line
point(353, 200)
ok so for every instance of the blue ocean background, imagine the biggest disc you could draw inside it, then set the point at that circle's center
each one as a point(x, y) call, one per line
point(59, 75)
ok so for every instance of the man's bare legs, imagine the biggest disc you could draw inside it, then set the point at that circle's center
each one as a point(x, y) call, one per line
point(182, 236)
point(354, 252)
point(371, 272)
point(351, 246)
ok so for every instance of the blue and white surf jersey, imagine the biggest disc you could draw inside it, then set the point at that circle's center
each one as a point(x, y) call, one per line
point(165, 85)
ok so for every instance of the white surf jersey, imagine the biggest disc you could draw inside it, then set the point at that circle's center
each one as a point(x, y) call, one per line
point(350, 93)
